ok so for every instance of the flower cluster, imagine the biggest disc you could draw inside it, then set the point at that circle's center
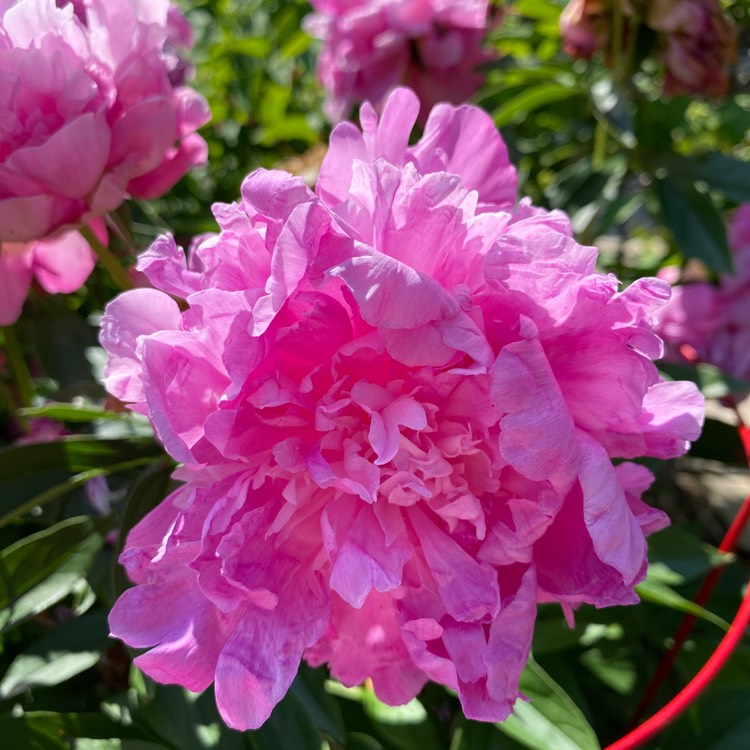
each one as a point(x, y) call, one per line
point(396, 401)
point(695, 43)
point(91, 115)
point(370, 46)
point(708, 323)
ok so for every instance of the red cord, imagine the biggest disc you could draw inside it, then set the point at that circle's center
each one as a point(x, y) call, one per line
point(686, 626)
point(691, 691)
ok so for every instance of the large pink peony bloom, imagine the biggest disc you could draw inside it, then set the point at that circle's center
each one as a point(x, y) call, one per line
point(397, 401)
point(370, 46)
point(708, 323)
point(89, 113)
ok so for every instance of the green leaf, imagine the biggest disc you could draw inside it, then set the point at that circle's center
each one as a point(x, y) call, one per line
point(309, 688)
point(183, 720)
point(719, 720)
point(38, 473)
point(613, 666)
point(43, 730)
point(257, 47)
point(71, 455)
point(716, 384)
point(70, 413)
point(62, 338)
point(550, 719)
point(471, 735)
point(70, 649)
point(685, 554)
point(696, 225)
point(530, 99)
point(655, 590)
point(290, 725)
point(359, 741)
point(720, 172)
point(38, 571)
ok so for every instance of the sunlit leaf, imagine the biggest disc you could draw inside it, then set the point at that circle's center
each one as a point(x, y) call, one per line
point(70, 649)
point(38, 571)
point(550, 719)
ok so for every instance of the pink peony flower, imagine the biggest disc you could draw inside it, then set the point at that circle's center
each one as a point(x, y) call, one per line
point(89, 114)
point(396, 402)
point(585, 27)
point(371, 46)
point(698, 45)
point(708, 323)
point(60, 265)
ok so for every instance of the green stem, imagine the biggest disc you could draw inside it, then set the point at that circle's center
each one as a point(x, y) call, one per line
point(62, 489)
point(600, 146)
point(122, 230)
point(116, 271)
point(19, 369)
point(626, 68)
point(617, 32)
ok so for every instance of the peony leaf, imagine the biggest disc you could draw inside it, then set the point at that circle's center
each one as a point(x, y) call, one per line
point(41, 569)
point(719, 720)
point(530, 99)
point(720, 172)
point(63, 412)
point(309, 688)
point(550, 718)
point(685, 554)
point(38, 473)
point(45, 730)
point(290, 725)
point(68, 650)
point(696, 225)
point(473, 735)
point(656, 590)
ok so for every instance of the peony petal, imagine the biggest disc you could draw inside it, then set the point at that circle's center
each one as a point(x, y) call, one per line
point(15, 279)
point(468, 588)
point(126, 319)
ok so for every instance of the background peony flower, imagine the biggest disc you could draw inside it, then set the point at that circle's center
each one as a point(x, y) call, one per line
point(396, 401)
point(89, 114)
point(60, 265)
point(708, 323)
point(370, 46)
point(697, 48)
point(585, 27)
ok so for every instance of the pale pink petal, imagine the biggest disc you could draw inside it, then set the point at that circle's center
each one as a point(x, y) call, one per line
point(62, 264)
point(126, 319)
point(16, 274)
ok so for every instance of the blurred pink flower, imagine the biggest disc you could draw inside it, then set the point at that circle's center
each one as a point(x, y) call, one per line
point(89, 114)
point(708, 323)
point(371, 46)
point(585, 27)
point(60, 265)
point(695, 42)
point(396, 401)
point(697, 45)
